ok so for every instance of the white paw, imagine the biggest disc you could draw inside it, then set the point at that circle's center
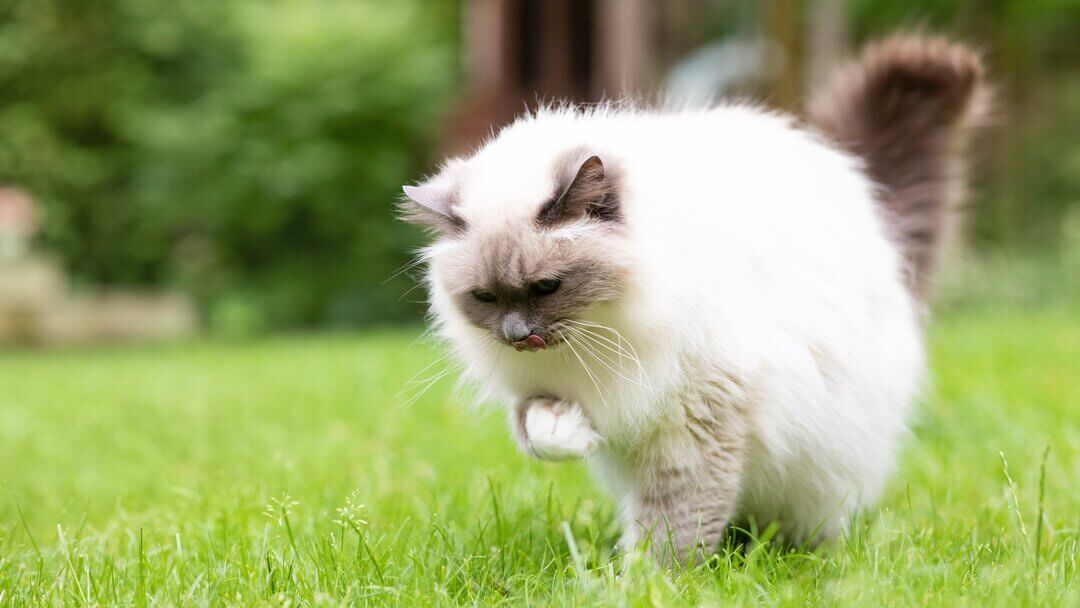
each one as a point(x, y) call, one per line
point(557, 431)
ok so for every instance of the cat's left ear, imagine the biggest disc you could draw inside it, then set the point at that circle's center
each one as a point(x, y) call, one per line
point(431, 205)
point(591, 193)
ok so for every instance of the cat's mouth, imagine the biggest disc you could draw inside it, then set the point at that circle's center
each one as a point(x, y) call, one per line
point(532, 344)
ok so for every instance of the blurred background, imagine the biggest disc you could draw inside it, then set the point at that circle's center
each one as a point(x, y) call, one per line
point(175, 166)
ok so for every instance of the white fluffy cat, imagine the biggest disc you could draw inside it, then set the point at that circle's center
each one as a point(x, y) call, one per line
point(721, 309)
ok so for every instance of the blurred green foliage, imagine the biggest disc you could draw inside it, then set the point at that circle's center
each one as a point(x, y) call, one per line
point(248, 152)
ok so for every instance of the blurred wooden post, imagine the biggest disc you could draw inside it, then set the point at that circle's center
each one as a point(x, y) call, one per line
point(783, 25)
point(556, 56)
point(485, 35)
point(625, 28)
point(517, 52)
point(827, 42)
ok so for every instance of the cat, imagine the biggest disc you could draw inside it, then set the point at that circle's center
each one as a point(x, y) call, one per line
point(720, 310)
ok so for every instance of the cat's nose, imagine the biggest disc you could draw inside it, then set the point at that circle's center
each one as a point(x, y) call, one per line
point(514, 327)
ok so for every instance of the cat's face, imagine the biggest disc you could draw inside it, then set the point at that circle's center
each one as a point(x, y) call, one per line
point(530, 273)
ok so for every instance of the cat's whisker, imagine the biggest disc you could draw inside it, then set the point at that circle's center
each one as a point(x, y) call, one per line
point(559, 330)
point(604, 360)
point(426, 379)
point(604, 351)
point(634, 376)
point(452, 368)
point(431, 382)
point(607, 361)
point(603, 327)
point(614, 346)
point(420, 258)
point(491, 372)
point(632, 354)
point(611, 345)
point(600, 392)
point(600, 349)
point(416, 379)
point(453, 364)
point(410, 290)
point(606, 344)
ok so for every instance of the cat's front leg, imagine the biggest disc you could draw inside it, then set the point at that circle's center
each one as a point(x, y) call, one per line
point(552, 429)
point(685, 486)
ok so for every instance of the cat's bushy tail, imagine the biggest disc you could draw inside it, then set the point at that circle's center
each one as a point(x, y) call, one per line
point(906, 107)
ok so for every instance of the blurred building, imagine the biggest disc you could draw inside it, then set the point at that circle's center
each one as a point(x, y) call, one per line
point(18, 222)
point(37, 306)
point(519, 53)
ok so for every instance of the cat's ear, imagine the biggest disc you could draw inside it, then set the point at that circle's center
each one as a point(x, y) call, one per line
point(591, 193)
point(431, 205)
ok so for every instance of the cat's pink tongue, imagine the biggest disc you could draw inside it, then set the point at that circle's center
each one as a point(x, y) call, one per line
point(532, 344)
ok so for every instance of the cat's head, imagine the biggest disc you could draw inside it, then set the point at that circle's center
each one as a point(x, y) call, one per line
point(521, 252)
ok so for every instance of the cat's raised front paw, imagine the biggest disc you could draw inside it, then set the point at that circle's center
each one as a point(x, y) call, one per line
point(551, 429)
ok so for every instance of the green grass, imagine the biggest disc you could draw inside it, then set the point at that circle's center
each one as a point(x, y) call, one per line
point(219, 473)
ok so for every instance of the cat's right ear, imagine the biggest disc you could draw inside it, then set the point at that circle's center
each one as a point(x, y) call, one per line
point(430, 205)
point(591, 193)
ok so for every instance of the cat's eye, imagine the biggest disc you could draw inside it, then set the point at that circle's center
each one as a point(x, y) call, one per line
point(483, 295)
point(546, 287)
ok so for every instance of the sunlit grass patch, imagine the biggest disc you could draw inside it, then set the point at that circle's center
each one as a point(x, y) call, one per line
point(290, 472)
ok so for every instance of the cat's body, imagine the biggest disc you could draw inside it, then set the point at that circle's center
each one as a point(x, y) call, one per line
point(733, 330)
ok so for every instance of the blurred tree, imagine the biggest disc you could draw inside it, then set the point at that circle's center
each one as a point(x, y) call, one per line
point(247, 151)
point(70, 73)
point(282, 179)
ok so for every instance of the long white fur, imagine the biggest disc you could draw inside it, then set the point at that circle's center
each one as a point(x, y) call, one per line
point(758, 250)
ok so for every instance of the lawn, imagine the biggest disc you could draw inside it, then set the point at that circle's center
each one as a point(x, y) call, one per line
point(290, 471)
